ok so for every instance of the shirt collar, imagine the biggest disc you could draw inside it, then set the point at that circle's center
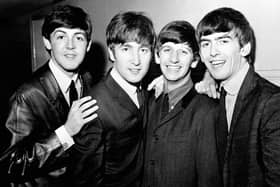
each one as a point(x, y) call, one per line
point(62, 79)
point(128, 88)
point(233, 86)
point(177, 94)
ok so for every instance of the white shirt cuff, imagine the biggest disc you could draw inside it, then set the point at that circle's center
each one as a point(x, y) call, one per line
point(65, 139)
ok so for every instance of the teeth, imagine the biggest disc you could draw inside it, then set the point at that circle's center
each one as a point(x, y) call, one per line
point(217, 62)
point(173, 67)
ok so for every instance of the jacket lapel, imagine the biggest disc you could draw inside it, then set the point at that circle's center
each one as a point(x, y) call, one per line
point(120, 95)
point(54, 94)
point(177, 109)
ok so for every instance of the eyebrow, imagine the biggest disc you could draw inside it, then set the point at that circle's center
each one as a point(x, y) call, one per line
point(226, 35)
point(75, 33)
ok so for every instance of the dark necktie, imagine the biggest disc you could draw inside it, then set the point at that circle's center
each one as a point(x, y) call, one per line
point(140, 96)
point(222, 128)
point(73, 94)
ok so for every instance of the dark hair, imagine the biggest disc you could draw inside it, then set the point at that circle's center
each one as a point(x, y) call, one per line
point(226, 20)
point(69, 17)
point(130, 26)
point(178, 32)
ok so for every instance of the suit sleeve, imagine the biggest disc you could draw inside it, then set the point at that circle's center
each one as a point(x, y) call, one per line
point(87, 156)
point(270, 141)
point(28, 154)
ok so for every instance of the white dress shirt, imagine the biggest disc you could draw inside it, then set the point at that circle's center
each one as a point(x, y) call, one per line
point(232, 88)
point(128, 88)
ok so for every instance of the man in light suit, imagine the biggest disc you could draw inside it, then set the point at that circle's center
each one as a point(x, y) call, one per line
point(109, 150)
point(42, 118)
point(248, 131)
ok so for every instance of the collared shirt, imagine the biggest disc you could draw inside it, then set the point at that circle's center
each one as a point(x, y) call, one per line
point(232, 88)
point(128, 88)
point(174, 96)
point(64, 81)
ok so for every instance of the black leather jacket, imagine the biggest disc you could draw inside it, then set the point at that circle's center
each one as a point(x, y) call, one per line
point(37, 109)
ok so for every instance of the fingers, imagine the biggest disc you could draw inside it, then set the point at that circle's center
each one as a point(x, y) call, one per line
point(155, 83)
point(90, 113)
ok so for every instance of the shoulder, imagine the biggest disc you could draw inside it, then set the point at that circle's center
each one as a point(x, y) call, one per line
point(31, 87)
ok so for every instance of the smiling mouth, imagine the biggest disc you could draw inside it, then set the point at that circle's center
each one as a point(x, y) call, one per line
point(70, 56)
point(173, 67)
point(217, 62)
point(135, 71)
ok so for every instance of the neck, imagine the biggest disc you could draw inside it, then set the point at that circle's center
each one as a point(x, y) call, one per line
point(172, 85)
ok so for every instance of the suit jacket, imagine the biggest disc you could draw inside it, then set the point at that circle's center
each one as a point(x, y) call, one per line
point(180, 145)
point(109, 150)
point(37, 109)
point(253, 148)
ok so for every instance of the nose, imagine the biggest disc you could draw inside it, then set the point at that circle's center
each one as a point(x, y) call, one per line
point(213, 50)
point(70, 44)
point(174, 56)
point(136, 58)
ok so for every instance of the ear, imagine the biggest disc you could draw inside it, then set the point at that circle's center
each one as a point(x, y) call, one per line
point(47, 43)
point(246, 49)
point(111, 54)
point(157, 57)
point(89, 45)
point(195, 62)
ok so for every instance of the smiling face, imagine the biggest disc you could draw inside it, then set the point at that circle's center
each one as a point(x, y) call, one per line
point(222, 54)
point(175, 60)
point(68, 48)
point(131, 60)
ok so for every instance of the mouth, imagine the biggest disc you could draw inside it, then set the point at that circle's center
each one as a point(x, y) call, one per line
point(174, 68)
point(217, 63)
point(70, 56)
point(135, 70)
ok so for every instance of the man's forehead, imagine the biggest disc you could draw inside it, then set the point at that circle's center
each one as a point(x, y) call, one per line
point(218, 35)
point(69, 30)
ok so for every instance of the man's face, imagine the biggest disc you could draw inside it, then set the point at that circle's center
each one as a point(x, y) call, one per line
point(131, 60)
point(175, 60)
point(68, 48)
point(222, 54)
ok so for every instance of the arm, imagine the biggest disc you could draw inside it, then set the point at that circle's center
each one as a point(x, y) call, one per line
point(87, 157)
point(34, 148)
point(270, 141)
point(207, 86)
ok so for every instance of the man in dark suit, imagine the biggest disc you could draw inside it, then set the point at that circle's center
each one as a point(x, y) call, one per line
point(248, 131)
point(42, 118)
point(109, 150)
point(180, 139)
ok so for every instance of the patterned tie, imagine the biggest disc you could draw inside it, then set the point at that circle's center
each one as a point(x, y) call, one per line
point(73, 94)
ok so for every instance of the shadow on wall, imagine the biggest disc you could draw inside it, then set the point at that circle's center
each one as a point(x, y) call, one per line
point(96, 61)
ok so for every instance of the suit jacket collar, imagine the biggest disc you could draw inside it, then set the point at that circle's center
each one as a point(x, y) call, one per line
point(52, 91)
point(119, 94)
point(245, 93)
point(179, 107)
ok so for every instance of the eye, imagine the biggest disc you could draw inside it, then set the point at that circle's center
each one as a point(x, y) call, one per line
point(223, 41)
point(124, 48)
point(144, 50)
point(204, 44)
point(165, 49)
point(59, 37)
point(80, 37)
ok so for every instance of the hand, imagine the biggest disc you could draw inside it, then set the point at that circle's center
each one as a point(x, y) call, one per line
point(208, 86)
point(82, 111)
point(157, 85)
